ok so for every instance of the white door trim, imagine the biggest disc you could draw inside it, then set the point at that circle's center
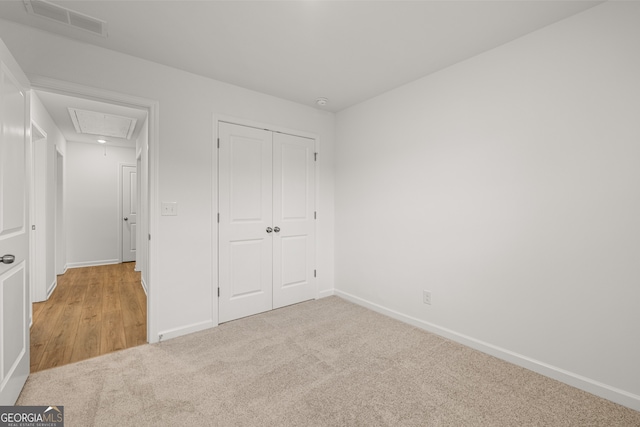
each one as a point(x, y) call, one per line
point(36, 266)
point(153, 107)
point(60, 265)
point(217, 118)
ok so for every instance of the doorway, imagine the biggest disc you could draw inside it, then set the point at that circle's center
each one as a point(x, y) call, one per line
point(88, 270)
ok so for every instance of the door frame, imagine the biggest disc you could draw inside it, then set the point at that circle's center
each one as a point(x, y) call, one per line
point(36, 266)
point(217, 118)
point(60, 262)
point(47, 84)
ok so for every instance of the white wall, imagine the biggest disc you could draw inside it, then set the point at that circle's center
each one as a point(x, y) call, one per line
point(46, 192)
point(507, 185)
point(93, 202)
point(183, 285)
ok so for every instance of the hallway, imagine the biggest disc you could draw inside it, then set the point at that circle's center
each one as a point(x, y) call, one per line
point(92, 311)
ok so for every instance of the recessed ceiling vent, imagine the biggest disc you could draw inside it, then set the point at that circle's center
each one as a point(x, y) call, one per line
point(101, 124)
point(66, 16)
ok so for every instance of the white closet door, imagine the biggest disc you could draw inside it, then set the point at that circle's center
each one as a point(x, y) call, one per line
point(246, 215)
point(293, 215)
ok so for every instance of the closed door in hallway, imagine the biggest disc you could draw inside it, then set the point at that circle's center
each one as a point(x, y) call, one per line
point(129, 212)
point(267, 214)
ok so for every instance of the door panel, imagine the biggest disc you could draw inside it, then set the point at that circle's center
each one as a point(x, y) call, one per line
point(293, 211)
point(295, 261)
point(130, 212)
point(14, 296)
point(249, 200)
point(13, 286)
point(245, 205)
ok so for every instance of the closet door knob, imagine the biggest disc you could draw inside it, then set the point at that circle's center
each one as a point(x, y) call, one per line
point(277, 229)
point(7, 259)
point(269, 229)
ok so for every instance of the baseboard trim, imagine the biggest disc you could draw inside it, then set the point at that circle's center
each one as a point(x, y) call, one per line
point(92, 263)
point(589, 385)
point(326, 293)
point(189, 329)
point(144, 287)
point(52, 287)
point(64, 270)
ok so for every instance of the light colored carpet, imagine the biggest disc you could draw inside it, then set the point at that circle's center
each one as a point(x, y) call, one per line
point(319, 363)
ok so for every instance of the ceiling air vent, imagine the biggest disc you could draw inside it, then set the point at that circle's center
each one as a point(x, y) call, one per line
point(66, 16)
point(94, 123)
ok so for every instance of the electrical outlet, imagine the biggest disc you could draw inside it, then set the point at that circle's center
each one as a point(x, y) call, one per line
point(426, 297)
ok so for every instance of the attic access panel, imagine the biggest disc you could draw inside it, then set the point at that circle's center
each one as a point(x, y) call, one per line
point(101, 124)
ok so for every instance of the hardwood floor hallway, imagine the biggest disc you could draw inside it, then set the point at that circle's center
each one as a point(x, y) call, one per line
point(92, 311)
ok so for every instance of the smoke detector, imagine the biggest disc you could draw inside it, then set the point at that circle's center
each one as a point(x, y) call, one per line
point(66, 16)
point(321, 102)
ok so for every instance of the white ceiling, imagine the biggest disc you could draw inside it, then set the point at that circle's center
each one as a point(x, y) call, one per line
point(57, 105)
point(346, 51)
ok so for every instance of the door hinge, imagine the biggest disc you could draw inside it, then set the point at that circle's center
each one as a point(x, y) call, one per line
point(218, 292)
point(33, 227)
point(315, 214)
point(314, 273)
point(315, 157)
point(218, 142)
point(218, 217)
point(149, 236)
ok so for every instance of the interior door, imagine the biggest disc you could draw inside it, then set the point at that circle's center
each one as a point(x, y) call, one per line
point(245, 236)
point(293, 215)
point(129, 213)
point(14, 246)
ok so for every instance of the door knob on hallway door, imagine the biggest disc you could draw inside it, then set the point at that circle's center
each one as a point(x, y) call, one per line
point(277, 229)
point(126, 219)
point(269, 229)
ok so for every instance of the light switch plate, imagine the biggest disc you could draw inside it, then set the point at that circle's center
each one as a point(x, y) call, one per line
point(169, 208)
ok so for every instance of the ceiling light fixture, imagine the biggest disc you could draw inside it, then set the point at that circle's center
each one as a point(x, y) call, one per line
point(321, 102)
point(102, 141)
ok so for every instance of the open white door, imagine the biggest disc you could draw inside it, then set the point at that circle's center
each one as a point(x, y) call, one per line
point(14, 230)
point(129, 212)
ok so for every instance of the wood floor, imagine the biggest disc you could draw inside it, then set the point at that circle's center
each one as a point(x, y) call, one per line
point(92, 311)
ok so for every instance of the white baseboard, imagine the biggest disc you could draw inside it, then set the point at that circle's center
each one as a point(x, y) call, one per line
point(589, 385)
point(52, 287)
point(326, 293)
point(144, 287)
point(189, 329)
point(92, 263)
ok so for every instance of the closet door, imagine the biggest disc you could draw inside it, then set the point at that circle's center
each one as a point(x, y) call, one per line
point(246, 221)
point(293, 216)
